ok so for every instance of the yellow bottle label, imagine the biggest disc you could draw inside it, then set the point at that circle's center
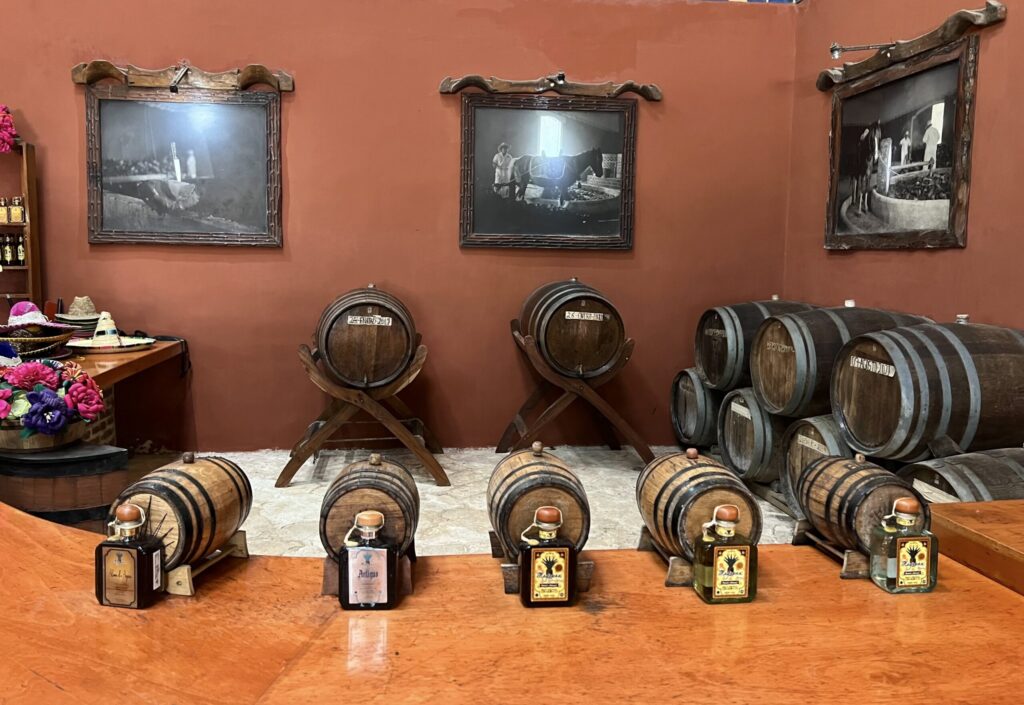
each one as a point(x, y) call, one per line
point(549, 579)
point(730, 566)
point(4, 214)
point(119, 577)
point(913, 562)
point(17, 214)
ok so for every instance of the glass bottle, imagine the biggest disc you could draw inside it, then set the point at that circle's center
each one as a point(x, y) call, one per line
point(724, 562)
point(16, 211)
point(128, 564)
point(368, 577)
point(19, 251)
point(904, 558)
point(8, 253)
point(5, 215)
point(547, 564)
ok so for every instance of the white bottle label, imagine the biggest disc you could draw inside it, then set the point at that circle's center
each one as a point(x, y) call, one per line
point(367, 576)
point(157, 576)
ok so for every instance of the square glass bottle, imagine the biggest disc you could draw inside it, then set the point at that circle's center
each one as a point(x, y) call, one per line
point(368, 566)
point(129, 571)
point(724, 562)
point(904, 558)
point(547, 564)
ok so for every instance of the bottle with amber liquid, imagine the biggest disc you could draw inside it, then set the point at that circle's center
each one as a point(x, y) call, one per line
point(904, 554)
point(5, 214)
point(724, 562)
point(368, 565)
point(16, 211)
point(19, 250)
point(128, 564)
point(547, 564)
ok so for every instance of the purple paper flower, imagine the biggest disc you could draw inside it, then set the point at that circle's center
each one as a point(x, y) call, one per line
point(48, 414)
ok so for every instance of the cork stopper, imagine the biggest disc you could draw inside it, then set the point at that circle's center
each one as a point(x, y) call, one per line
point(369, 520)
point(574, 279)
point(727, 512)
point(128, 513)
point(775, 297)
point(860, 458)
point(375, 459)
point(188, 458)
point(548, 515)
point(963, 318)
point(692, 453)
point(371, 285)
point(907, 505)
point(537, 448)
point(850, 303)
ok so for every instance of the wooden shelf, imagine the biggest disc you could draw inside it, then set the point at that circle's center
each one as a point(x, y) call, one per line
point(17, 226)
point(13, 268)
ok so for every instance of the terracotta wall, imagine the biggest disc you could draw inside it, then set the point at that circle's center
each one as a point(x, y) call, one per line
point(983, 279)
point(371, 160)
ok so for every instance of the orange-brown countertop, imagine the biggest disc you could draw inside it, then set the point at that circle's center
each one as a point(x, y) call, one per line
point(259, 632)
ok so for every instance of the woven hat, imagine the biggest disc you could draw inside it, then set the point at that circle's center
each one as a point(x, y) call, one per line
point(26, 316)
point(81, 309)
point(107, 339)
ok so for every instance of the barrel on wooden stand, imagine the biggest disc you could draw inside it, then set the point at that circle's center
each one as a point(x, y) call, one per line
point(895, 392)
point(578, 330)
point(844, 499)
point(694, 409)
point(724, 333)
point(805, 441)
point(527, 479)
point(377, 484)
point(366, 338)
point(972, 477)
point(196, 505)
point(678, 493)
point(750, 439)
point(792, 355)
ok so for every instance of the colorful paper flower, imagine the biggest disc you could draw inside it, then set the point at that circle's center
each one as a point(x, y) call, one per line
point(28, 374)
point(48, 413)
point(7, 131)
point(5, 403)
point(71, 371)
point(86, 401)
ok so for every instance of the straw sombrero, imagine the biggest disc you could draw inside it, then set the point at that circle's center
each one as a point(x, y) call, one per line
point(81, 310)
point(106, 339)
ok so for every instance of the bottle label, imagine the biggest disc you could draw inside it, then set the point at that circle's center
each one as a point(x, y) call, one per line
point(913, 561)
point(17, 214)
point(157, 572)
point(549, 580)
point(584, 316)
point(369, 320)
point(730, 565)
point(21, 252)
point(367, 576)
point(119, 577)
point(3, 214)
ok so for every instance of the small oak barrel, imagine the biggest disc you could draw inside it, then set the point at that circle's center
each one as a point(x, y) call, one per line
point(678, 493)
point(804, 442)
point(196, 505)
point(894, 392)
point(366, 338)
point(972, 477)
point(792, 355)
point(378, 484)
point(578, 330)
point(722, 345)
point(524, 480)
point(750, 439)
point(694, 408)
point(844, 499)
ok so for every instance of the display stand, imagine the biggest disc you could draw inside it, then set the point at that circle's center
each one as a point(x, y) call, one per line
point(179, 581)
point(510, 569)
point(853, 564)
point(520, 433)
point(776, 499)
point(680, 570)
point(406, 566)
point(347, 402)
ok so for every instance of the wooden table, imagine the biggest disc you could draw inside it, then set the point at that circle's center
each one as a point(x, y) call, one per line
point(108, 370)
point(987, 536)
point(259, 632)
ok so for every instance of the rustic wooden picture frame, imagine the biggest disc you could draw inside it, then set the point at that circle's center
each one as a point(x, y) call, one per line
point(468, 237)
point(963, 51)
point(270, 100)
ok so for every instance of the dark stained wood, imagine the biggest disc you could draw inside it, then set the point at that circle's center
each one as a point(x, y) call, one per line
point(24, 282)
point(804, 442)
point(555, 83)
point(896, 392)
point(232, 79)
point(366, 338)
point(721, 350)
point(677, 494)
point(108, 370)
point(986, 536)
point(694, 410)
point(750, 438)
point(973, 477)
point(955, 27)
point(792, 354)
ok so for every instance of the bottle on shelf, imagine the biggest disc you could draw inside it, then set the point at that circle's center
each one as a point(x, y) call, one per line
point(547, 564)
point(19, 250)
point(725, 562)
point(16, 210)
point(8, 252)
point(128, 564)
point(904, 558)
point(368, 565)
point(5, 214)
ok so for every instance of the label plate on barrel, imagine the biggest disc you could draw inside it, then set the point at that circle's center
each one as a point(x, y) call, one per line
point(879, 368)
point(806, 442)
point(368, 320)
point(584, 316)
point(738, 408)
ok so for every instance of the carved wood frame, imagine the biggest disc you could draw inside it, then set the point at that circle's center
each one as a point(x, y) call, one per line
point(965, 52)
point(272, 102)
point(623, 241)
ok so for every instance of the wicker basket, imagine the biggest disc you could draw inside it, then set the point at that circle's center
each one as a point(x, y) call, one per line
point(27, 346)
point(11, 440)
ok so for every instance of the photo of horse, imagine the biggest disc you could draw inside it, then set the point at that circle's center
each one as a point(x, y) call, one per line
point(542, 172)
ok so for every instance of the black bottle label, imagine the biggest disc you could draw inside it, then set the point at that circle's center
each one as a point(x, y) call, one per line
point(367, 576)
point(549, 574)
point(119, 577)
point(913, 558)
point(730, 571)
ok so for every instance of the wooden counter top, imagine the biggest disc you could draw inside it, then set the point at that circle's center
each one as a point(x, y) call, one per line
point(110, 369)
point(258, 632)
point(987, 536)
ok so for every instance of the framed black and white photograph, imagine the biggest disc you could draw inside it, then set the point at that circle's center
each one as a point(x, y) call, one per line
point(193, 167)
point(547, 172)
point(901, 153)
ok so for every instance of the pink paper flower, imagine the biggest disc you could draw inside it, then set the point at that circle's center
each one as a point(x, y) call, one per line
point(71, 371)
point(86, 401)
point(28, 374)
point(7, 131)
point(5, 403)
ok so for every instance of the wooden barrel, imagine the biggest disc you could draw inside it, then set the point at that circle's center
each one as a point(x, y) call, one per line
point(678, 493)
point(750, 439)
point(196, 505)
point(694, 409)
point(844, 499)
point(894, 392)
point(805, 441)
point(524, 480)
point(366, 338)
point(792, 355)
point(578, 330)
point(722, 345)
point(973, 477)
point(73, 486)
point(376, 483)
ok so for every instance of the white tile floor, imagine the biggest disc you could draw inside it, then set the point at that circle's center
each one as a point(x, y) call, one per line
point(285, 521)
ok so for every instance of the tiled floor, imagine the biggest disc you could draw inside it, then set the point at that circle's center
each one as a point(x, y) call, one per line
point(285, 522)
